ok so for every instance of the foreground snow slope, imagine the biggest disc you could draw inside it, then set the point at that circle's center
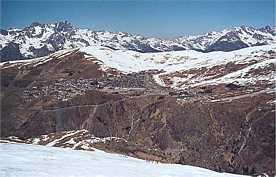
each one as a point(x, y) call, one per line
point(22, 160)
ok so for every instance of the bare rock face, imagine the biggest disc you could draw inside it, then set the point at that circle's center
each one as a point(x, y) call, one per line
point(10, 52)
point(231, 129)
point(229, 42)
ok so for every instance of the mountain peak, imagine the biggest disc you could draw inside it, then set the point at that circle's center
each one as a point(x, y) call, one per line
point(35, 24)
point(64, 23)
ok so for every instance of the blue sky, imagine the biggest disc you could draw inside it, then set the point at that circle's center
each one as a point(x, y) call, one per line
point(150, 18)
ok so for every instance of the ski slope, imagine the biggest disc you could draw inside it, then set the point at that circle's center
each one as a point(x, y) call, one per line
point(23, 160)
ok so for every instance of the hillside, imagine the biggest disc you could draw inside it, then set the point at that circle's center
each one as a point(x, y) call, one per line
point(213, 110)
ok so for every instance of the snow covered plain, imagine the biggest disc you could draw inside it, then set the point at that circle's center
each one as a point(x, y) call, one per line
point(169, 62)
point(130, 61)
point(23, 160)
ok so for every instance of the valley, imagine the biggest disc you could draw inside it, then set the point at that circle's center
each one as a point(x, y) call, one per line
point(213, 110)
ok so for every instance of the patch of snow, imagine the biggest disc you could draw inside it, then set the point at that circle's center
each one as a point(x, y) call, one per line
point(65, 136)
point(35, 141)
point(158, 80)
point(38, 30)
point(97, 140)
point(71, 141)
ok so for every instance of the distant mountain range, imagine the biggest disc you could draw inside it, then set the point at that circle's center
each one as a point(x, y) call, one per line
point(39, 40)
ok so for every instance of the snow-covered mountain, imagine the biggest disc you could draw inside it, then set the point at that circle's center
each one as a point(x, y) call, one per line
point(41, 39)
point(230, 39)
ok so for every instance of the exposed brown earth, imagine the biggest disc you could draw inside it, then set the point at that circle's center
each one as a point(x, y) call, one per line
point(229, 128)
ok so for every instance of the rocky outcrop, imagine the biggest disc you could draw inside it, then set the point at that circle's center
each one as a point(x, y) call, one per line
point(229, 42)
point(10, 52)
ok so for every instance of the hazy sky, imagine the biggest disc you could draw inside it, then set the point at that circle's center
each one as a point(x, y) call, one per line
point(150, 18)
